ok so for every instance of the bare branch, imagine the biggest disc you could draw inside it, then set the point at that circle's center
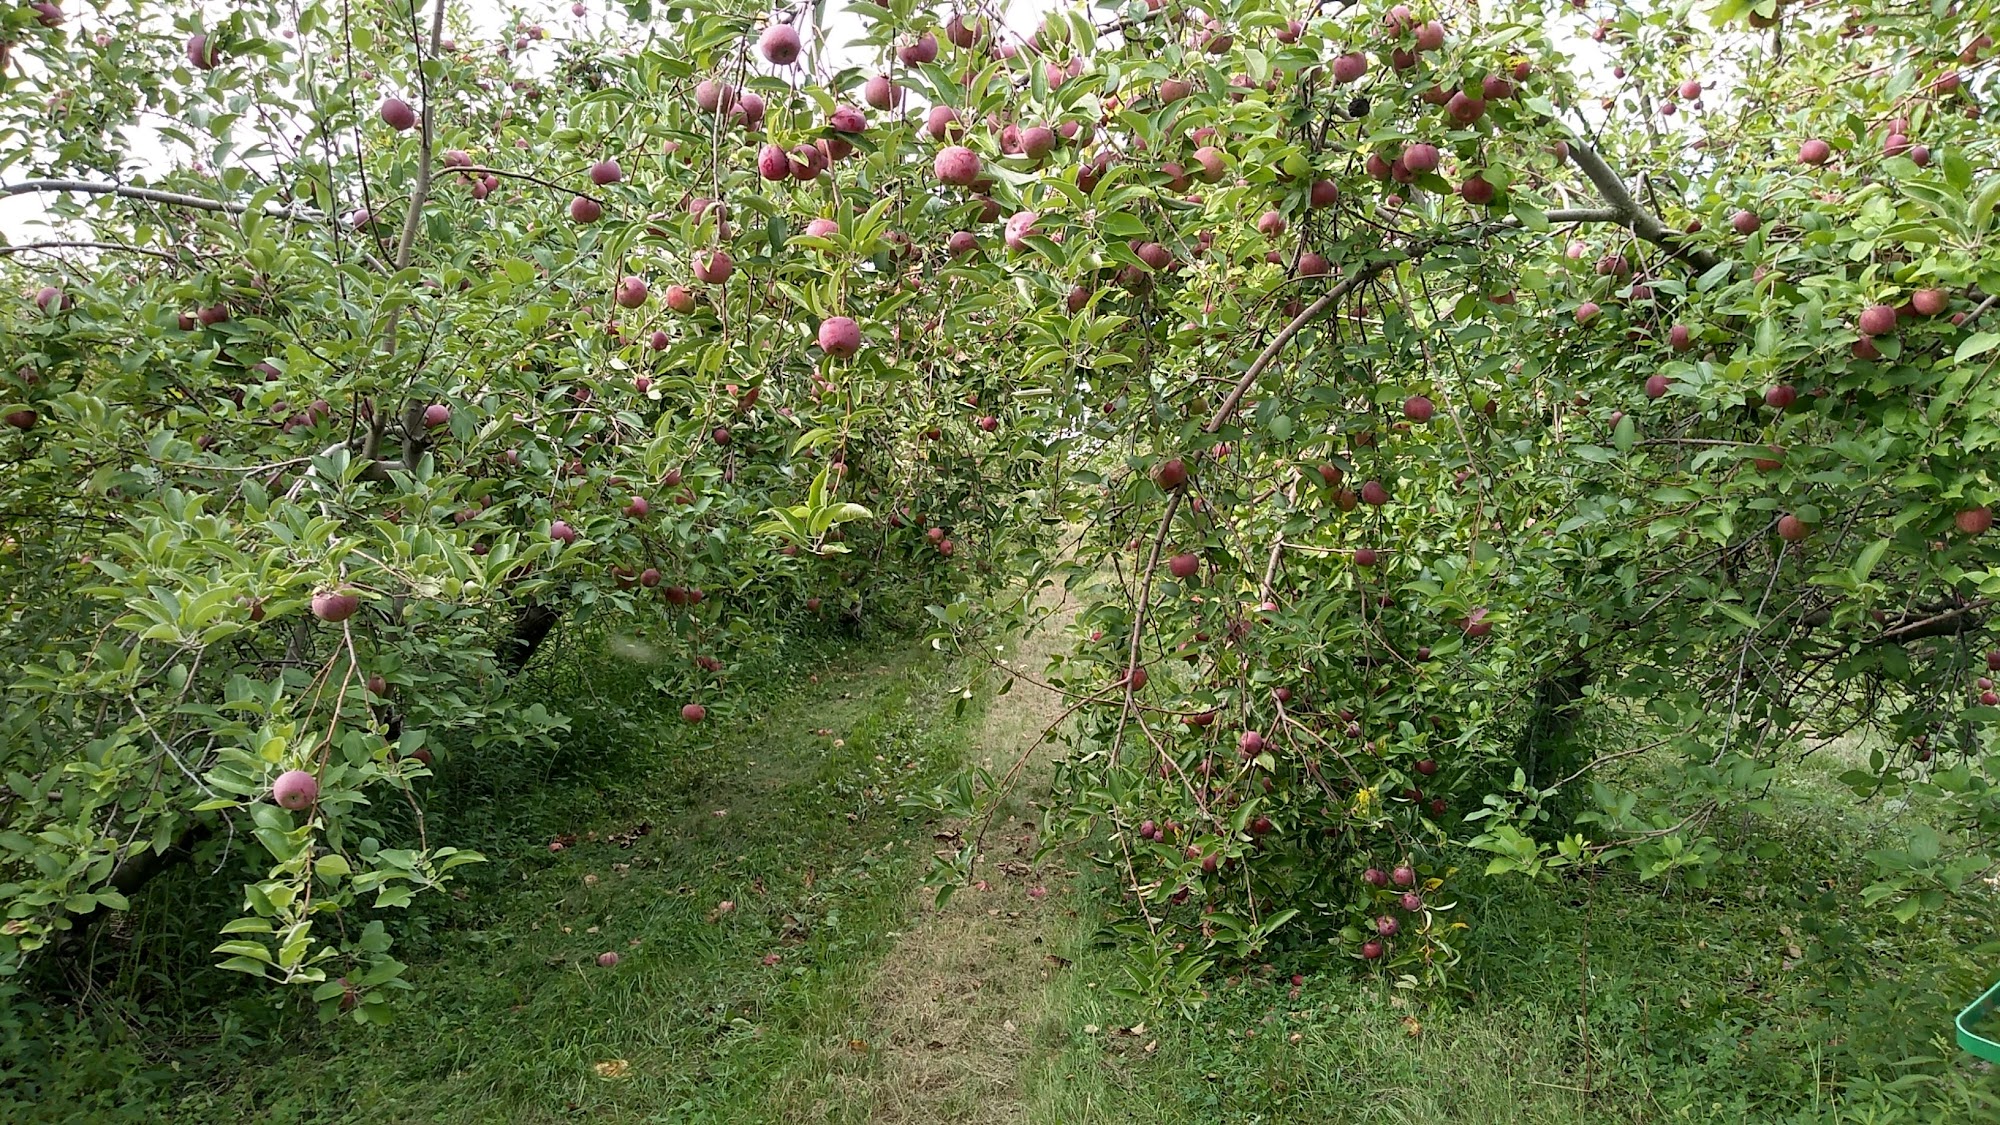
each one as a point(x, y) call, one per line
point(66, 244)
point(1628, 213)
point(1306, 316)
point(153, 195)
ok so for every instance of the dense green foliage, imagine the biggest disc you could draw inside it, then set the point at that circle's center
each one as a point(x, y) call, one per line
point(1423, 382)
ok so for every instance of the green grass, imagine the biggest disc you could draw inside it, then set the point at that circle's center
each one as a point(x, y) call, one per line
point(800, 831)
point(1769, 996)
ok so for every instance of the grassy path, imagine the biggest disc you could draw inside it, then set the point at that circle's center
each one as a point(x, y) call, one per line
point(957, 1007)
point(746, 873)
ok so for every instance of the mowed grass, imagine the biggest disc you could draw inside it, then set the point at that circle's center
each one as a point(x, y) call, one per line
point(748, 872)
point(1772, 995)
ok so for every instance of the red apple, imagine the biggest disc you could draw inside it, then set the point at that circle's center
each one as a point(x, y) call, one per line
point(295, 790)
point(839, 336)
point(333, 607)
point(397, 114)
point(780, 44)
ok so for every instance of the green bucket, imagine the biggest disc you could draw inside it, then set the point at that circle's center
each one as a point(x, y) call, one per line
point(1981, 1010)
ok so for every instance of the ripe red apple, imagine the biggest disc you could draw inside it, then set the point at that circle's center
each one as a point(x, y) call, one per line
point(1350, 67)
point(295, 790)
point(23, 420)
point(1250, 744)
point(1037, 141)
point(1877, 320)
point(1476, 190)
point(1791, 528)
point(1330, 474)
point(1745, 222)
point(333, 607)
point(638, 508)
point(1815, 152)
point(694, 713)
point(1184, 565)
point(881, 93)
point(1210, 163)
point(437, 414)
point(1656, 386)
point(1387, 926)
point(1475, 623)
point(1371, 950)
point(713, 266)
point(202, 54)
point(1464, 110)
point(956, 165)
point(1171, 474)
point(1403, 875)
point(773, 164)
point(989, 423)
point(1975, 521)
point(1365, 556)
point(711, 96)
point(1495, 88)
point(397, 114)
point(1928, 302)
point(780, 44)
point(583, 209)
point(1586, 312)
point(1020, 227)
point(1427, 767)
point(1417, 408)
point(1314, 265)
point(607, 959)
point(920, 52)
point(1430, 36)
point(839, 336)
point(1419, 157)
point(606, 172)
point(1781, 397)
point(721, 435)
point(1373, 493)
point(562, 532)
point(631, 293)
point(847, 119)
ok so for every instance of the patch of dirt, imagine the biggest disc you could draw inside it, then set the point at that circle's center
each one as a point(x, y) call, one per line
point(950, 1013)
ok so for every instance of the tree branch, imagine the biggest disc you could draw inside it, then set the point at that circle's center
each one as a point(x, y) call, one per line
point(1306, 316)
point(1628, 213)
point(153, 195)
point(65, 244)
